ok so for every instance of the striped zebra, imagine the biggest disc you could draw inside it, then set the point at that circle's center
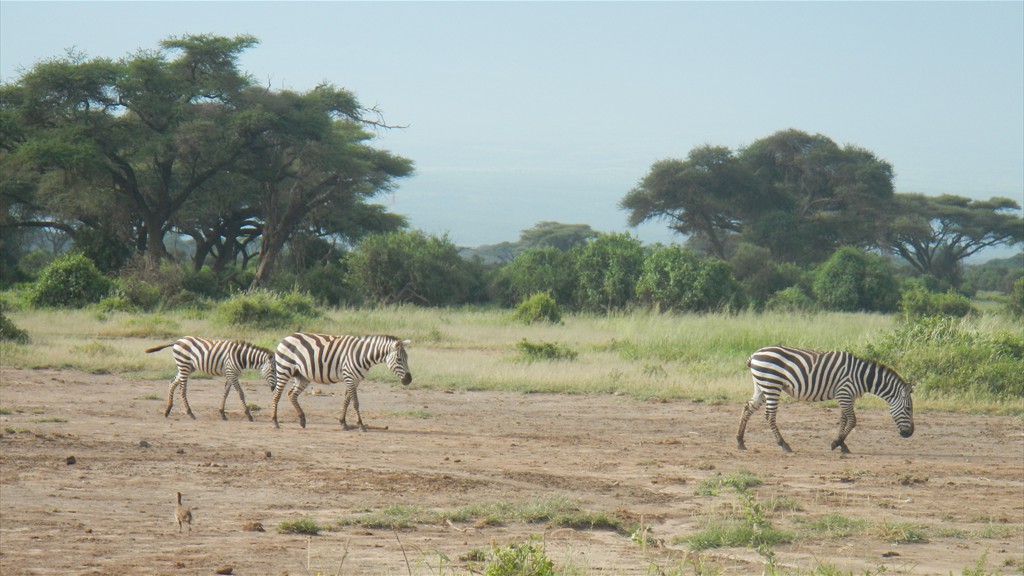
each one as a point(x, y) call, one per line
point(219, 358)
point(817, 376)
point(330, 359)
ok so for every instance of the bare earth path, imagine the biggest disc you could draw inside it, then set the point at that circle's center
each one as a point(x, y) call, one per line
point(960, 479)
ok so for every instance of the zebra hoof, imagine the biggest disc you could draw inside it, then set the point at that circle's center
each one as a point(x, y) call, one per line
point(786, 448)
point(741, 446)
point(250, 417)
point(223, 416)
point(191, 415)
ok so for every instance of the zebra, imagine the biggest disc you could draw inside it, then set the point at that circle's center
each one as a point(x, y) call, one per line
point(329, 359)
point(216, 357)
point(816, 376)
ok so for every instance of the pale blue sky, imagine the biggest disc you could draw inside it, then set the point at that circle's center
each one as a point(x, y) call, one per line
point(523, 112)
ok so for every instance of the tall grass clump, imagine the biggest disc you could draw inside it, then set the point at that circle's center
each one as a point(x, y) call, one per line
point(956, 357)
point(539, 351)
point(263, 309)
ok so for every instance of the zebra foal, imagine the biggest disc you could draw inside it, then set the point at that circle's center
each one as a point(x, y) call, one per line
point(330, 359)
point(219, 358)
point(816, 376)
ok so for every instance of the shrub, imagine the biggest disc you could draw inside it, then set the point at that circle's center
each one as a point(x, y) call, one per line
point(300, 526)
point(607, 268)
point(948, 355)
point(854, 281)
point(1016, 302)
point(131, 294)
point(674, 278)
point(529, 559)
point(536, 270)
point(792, 299)
point(71, 281)
point(919, 302)
point(540, 307)
point(10, 331)
point(531, 352)
point(267, 310)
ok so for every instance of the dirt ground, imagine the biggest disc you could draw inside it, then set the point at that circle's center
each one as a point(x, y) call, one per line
point(960, 479)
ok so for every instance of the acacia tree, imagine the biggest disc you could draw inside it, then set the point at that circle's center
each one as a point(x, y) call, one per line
point(798, 195)
point(817, 196)
point(935, 234)
point(707, 195)
point(320, 172)
point(133, 139)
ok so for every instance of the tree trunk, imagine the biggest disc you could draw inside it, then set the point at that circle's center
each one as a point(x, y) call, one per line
point(271, 248)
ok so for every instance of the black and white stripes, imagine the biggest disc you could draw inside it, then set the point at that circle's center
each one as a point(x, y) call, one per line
point(816, 376)
point(329, 359)
point(216, 357)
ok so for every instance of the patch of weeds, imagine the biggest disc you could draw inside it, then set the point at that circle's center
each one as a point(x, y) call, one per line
point(95, 349)
point(836, 526)
point(739, 481)
point(721, 533)
point(420, 414)
point(253, 407)
point(781, 504)
point(52, 419)
point(5, 412)
point(151, 397)
point(393, 516)
point(534, 352)
point(900, 532)
point(979, 568)
point(300, 526)
point(527, 559)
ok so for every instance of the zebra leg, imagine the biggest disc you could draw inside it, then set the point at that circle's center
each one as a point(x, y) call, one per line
point(233, 382)
point(349, 392)
point(293, 395)
point(752, 406)
point(846, 424)
point(184, 397)
point(282, 381)
point(772, 405)
point(170, 395)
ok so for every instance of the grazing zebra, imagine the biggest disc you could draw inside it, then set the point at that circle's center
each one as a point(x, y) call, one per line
point(817, 376)
point(330, 359)
point(217, 357)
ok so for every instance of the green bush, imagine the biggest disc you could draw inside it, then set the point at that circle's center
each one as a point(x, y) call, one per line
point(300, 526)
point(540, 307)
point(529, 559)
point(537, 270)
point(531, 352)
point(607, 268)
point(263, 309)
point(792, 299)
point(1016, 302)
point(132, 294)
point(950, 356)
point(71, 281)
point(673, 278)
point(10, 331)
point(855, 281)
point(918, 302)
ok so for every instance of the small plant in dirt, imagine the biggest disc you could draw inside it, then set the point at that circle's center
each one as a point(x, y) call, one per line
point(526, 559)
point(900, 532)
point(539, 351)
point(540, 307)
point(739, 481)
point(300, 526)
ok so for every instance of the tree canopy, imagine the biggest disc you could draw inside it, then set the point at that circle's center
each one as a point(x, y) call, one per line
point(180, 139)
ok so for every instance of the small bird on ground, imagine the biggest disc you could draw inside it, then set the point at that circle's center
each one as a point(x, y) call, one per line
point(183, 515)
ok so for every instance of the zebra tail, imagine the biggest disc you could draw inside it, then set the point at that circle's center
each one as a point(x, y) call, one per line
point(158, 348)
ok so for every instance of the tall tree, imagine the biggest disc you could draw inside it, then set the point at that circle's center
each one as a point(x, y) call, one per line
point(817, 195)
point(935, 234)
point(139, 136)
point(707, 195)
point(320, 171)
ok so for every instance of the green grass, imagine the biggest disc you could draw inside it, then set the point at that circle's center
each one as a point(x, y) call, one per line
point(300, 526)
point(553, 510)
point(642, 355)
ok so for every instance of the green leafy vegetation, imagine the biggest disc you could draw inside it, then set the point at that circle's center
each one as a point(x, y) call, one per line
point(538, 351)
point(540, 307)
point(300, 526)
point(265, 309)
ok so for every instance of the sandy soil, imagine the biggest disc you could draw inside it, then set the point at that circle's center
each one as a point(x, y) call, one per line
point(960, 479)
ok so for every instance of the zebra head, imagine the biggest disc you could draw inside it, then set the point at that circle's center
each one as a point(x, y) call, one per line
point(268, 369)
point(398, 361)
point(901, 406)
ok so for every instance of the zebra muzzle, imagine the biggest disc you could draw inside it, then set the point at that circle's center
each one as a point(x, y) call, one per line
point(407, 379)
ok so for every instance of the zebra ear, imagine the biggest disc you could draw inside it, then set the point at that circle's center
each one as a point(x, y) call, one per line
point(399, 343)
